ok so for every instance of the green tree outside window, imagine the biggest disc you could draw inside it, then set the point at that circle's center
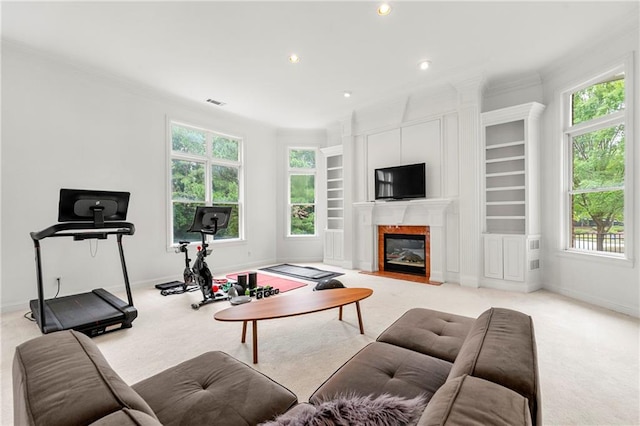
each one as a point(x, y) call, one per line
point(205, 170)
point(598, 168)
point(302, 191)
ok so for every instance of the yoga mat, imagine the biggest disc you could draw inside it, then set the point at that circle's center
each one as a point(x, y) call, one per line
point(281, 284)
point(302, 272)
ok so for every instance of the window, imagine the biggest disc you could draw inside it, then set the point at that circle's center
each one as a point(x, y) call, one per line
point(302, 192)
point(595, 135)
point(205, 169)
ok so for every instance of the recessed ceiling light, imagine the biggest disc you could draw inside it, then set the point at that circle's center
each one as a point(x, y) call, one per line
point(346, 94)
point(294, 59)
point(384, 9)
point(423, 65)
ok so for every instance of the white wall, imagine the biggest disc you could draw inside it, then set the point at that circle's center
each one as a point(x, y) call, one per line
point(68, 127)
point(609, 283)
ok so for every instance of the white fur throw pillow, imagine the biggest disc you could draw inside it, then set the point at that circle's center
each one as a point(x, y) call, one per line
point(349, 410)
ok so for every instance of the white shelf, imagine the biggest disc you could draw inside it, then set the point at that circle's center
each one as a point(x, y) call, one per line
point(505, 159)
point(513, 173)
point(504, 203)
point(504, 145)
point(504, 217)
point(505, 188)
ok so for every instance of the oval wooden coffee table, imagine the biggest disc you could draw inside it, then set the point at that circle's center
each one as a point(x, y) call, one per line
point(291, 305)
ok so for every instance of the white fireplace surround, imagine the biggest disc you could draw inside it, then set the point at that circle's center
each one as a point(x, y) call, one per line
point(427, 212)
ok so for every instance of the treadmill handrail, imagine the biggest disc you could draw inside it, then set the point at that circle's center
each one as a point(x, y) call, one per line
point(92, 231)
point(109, 228)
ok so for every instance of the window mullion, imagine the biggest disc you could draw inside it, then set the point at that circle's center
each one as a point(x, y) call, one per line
point(208, 184)
point(597, 123)
point(178, 155)
point(601, 189)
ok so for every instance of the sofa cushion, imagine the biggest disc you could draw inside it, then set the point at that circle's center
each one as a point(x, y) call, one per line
point(469, 400)
point(62, 378)
point(501, 348)
point(383, 368)
point(434, 333)
point(214, 388)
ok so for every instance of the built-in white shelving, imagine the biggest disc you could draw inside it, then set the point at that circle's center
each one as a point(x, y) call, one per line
point(334, 230)
point(511, 194)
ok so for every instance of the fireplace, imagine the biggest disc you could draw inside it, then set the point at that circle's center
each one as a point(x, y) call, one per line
point(405, 253)
point(404, 250)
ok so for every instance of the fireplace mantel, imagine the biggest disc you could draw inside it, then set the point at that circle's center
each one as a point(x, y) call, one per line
point(428, 212)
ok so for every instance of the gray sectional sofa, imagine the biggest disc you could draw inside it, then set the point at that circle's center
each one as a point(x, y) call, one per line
point(458, 370)
point(481, 371)
point(62, 378)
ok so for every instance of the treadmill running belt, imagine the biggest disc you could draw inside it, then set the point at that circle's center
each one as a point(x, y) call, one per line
point(82, 309)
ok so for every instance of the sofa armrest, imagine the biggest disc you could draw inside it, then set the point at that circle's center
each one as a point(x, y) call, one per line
point(501, 348)
point(62, 378)
point(468, 400)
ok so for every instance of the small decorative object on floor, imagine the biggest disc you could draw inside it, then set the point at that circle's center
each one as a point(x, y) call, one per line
point(327, 284)
point(239, 300)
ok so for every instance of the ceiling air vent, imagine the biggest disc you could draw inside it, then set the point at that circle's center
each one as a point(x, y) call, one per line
point(218, 103)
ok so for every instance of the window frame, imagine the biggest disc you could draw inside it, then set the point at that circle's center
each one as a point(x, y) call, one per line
point(570, 131)
point(296, 171)
point(209, 161)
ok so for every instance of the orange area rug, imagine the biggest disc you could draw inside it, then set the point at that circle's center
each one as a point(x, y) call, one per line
point(281, 284)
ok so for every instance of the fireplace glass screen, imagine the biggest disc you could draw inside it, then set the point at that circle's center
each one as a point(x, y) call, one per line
point(404, 253)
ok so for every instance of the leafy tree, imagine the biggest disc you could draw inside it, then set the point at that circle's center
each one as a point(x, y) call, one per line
point(302, 192)
point(598, 158)
point(225, 149)
point(185, 139)
point(302, 220)
point(188, 181)
point(302, 159)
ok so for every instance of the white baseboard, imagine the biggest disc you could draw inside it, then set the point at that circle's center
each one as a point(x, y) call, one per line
point(598, 301)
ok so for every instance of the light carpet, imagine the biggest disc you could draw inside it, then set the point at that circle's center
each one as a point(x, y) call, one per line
point(588, 356)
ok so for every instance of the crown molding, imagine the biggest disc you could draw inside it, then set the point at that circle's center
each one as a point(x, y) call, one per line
point(506, 85)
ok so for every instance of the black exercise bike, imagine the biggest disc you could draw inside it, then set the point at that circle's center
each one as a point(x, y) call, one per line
point(207, 221)
point(201, 275)
point(188, 276)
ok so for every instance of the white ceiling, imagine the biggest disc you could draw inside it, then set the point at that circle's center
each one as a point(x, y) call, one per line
point(237, 52)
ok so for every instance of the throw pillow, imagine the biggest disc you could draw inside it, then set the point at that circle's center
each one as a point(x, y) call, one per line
point(347, 410)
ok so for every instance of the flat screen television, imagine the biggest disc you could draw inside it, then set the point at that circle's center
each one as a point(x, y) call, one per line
point(401, 182)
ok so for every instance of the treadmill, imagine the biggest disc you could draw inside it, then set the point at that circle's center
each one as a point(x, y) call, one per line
point(85, 215)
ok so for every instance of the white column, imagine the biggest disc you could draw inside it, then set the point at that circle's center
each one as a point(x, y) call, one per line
point(469, 207)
